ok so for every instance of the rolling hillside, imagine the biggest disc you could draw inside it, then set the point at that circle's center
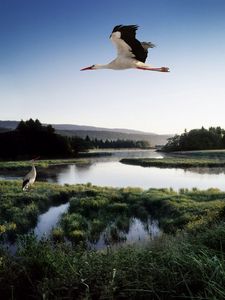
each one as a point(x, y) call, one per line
point(99, 132)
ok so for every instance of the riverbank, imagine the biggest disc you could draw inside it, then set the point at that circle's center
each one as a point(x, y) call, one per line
point(175, 162)
point(26, 165)
point(217, 154)
point(186, 262)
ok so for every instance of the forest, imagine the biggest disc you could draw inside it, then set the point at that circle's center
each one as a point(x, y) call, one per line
point(197, 139)
point(31, 139)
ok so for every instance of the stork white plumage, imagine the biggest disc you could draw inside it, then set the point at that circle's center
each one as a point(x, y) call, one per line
point(131, 54)
point(30, 177)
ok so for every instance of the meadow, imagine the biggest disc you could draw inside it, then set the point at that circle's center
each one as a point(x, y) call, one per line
point(187, 261)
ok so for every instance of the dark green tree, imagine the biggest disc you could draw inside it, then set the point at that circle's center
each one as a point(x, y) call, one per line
point(197, 139)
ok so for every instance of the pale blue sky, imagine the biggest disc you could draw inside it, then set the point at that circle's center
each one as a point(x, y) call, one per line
point(45, 43)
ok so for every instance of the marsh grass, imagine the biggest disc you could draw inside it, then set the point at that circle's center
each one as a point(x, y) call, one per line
point(19, 210)
point(41, 164)
point(187, 264)
point(110, 210)
point(98, 206)
point(208, 154)
point(176, 162)
point(182, 266)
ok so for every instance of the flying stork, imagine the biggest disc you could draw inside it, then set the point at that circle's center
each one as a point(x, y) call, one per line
point(30, 177)
point(131, 53)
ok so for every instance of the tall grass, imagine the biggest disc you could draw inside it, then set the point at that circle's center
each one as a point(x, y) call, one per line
point(19, 210)
point(99, 206)
point(183, 267)
point(189, 264)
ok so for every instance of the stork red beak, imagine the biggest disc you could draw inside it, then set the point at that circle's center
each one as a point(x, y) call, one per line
point(87, 68)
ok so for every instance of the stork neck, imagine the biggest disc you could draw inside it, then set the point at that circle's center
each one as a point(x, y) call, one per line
point(101, 66)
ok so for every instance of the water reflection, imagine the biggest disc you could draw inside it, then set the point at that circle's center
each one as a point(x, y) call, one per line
point(137, 231)
point(108, 171)
point(205, 170)
point(126, 230)
point(119, 175)
point(48, 220)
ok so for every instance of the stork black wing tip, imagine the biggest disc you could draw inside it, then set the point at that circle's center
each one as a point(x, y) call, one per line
point(119, 27)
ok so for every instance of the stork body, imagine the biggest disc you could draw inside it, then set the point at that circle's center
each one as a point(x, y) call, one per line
point(29, 179)
point(131, 53)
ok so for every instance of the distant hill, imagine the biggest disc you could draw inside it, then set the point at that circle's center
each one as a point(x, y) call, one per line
point(100, 132)
point(93, 128)
point(153, 139)
point(9, 124)
point(3, 129)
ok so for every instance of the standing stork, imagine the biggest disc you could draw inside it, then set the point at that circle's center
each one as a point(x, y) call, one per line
point(131, 53)
point(30, 177)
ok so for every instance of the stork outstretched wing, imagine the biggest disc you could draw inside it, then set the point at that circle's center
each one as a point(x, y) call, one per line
point(124, 38)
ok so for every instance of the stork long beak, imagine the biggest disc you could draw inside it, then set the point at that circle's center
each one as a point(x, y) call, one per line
point(87, 68)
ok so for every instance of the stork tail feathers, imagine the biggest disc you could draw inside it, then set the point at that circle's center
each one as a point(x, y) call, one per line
point(25, 183)
point(147, 45)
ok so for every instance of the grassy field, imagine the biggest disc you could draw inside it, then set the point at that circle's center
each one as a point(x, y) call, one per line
point(186, 263)
point(26, 165)
point(175, 162)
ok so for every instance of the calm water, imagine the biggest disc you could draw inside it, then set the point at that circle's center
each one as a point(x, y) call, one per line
point(49, 220)
point(108, 171)
point(139, 231)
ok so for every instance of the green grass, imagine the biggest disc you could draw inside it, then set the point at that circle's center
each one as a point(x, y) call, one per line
point(18, 165)
point(112, 210)
point(175, 162)
point(92, 209)
point(19, 210)
point(180, 267)
point(186, 263)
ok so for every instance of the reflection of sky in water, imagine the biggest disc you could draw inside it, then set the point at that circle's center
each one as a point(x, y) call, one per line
point(49, 219)
point(119, 175)
point(138, 232)
point(108, 171)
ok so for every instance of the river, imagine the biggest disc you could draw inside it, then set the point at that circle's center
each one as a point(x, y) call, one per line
point(108, 171)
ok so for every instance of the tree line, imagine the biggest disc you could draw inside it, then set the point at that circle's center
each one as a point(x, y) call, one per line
point(31, 138)
point(197, 139)
point(99, 143)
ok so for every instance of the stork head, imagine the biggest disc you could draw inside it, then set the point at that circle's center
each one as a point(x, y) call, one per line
point(35, 158)
point(93, 67)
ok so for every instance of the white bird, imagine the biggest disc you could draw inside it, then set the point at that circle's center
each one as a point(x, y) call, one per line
point(30, 177)
point(131, 53)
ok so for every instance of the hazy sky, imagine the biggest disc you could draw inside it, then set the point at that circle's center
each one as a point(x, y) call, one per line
point(44, 43)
